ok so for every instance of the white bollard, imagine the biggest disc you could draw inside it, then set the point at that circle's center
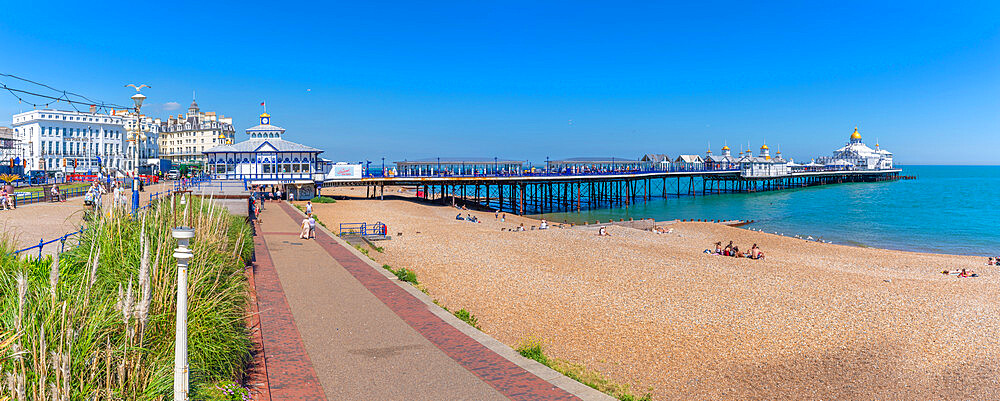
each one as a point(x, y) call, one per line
point(182, 253)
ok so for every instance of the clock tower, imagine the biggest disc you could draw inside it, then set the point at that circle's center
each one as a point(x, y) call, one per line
point(265, 119)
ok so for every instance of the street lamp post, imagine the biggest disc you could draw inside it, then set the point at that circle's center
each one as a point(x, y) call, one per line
point(182, 253)
point(137, 136)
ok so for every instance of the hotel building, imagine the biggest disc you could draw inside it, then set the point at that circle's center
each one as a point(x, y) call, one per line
point(148, 149)
point(52, 140)
point(183, 138)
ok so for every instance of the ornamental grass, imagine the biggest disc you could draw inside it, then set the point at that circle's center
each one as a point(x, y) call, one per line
point(97, 321)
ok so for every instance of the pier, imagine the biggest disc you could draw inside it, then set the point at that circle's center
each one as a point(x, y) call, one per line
point(551, 192)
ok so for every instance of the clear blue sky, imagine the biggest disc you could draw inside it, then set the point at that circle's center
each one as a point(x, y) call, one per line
point(523, 80)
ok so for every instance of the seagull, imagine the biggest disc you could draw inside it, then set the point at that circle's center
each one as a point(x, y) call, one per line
point(137, 88)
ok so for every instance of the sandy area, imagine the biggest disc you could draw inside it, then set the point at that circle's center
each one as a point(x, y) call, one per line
point(812, 321)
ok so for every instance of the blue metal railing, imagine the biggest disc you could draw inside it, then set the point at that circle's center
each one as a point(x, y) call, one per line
point(364, 229)
point(41, 196)
point(42, 243)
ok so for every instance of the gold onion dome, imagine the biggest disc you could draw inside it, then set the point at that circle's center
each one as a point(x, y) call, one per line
point(764, 147)
point(725, 148)
point(265, 115)
point(856, 134)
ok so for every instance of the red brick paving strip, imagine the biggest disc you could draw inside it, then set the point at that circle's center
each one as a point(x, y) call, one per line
point(290, 373)
point(509, 379)
point(257, 376)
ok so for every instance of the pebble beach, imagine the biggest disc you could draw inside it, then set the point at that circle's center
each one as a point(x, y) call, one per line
point(811, 321)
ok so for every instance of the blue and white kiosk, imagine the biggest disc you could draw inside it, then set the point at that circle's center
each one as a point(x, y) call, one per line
point(267, 159)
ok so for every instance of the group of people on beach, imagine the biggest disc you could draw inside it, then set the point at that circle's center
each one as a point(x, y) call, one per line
point(468, 217)
point(994, 261)
point(734, 251)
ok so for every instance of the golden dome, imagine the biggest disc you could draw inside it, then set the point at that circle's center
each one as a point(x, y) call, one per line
point(265, 115)
point(725, 148)
point(856, 134)
point(764, 147)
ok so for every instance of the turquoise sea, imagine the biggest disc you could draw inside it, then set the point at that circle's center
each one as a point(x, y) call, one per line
point(947, 209)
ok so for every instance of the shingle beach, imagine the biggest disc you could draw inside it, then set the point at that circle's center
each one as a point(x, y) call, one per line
point(811, 321)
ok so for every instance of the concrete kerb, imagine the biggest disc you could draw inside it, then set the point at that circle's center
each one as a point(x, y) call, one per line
point(546, 373)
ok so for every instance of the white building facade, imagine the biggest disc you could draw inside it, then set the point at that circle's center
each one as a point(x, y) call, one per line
point(183, 138)
point(149, 150)
point(860, 156)
point(8, 145)
point(763, 166)
point(52, 140)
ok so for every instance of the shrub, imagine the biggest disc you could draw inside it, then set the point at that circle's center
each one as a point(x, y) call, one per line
point(467, 317)
point(407, 275)
point(323, 199)
point(223, 391)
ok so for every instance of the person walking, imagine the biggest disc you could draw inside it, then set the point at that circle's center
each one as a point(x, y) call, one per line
point(312, 226)
point(309, 207)
point(305, 229)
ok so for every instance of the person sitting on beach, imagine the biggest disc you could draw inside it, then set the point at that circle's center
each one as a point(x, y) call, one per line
point(718, 248)
point(603, 232)
point(735, 251)
point(459, 217)
point(989, 262)
point(755, 252)
point(520, 227)
point(728, 250)
point(543, 225)
point(740, 254)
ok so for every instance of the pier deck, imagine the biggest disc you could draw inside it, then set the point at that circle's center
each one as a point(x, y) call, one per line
point(553, 193)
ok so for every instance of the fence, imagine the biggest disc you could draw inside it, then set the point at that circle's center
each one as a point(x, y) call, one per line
point(41, 243)
point(363, 229)
point(42, 195)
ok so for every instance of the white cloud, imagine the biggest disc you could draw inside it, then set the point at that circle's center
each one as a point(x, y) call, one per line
point(168, 106)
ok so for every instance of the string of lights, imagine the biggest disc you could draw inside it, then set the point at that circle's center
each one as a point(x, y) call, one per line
point(31, 97)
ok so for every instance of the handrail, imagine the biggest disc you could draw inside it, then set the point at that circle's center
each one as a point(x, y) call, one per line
point(41, 243)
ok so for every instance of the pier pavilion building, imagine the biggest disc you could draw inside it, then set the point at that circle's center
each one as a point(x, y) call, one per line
point(724, 161)
point(688, 163)
point(268, 159)
point(859, 155)
point(763, 165)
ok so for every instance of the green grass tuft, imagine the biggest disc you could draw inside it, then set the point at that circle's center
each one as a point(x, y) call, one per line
point(534, 349)
point(323, 199)
point(467, 317)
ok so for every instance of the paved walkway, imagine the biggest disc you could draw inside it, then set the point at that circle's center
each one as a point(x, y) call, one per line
point(335, 327)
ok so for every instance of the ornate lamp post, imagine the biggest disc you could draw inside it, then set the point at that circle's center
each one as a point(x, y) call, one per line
point(183, 254)
point(137, 136)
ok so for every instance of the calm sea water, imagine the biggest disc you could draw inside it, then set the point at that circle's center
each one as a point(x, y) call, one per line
point(947, 209)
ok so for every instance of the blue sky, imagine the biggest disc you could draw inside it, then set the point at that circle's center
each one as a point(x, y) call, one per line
point(366, 80)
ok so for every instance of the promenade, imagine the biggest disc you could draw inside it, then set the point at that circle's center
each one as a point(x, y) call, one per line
point(335, 326)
